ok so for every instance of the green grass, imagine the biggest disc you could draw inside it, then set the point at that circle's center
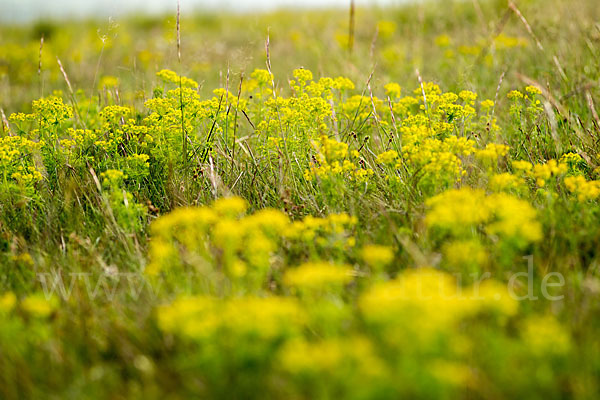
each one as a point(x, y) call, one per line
point(352, 267)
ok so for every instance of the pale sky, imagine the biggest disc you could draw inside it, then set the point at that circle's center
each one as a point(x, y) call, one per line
point(27, 10)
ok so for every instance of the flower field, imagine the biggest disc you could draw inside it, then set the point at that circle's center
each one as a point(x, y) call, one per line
point(299, 205)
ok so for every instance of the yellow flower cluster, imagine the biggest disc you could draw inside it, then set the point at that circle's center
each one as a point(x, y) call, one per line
point(221, 239)
point(431, 146)
point(506, 182)
point(545, 336)
point(262, 76)
point(461, 211)
point(584, 189)
point(492, 152)
point(503, 41)
point(36, 305)
point(334, 160)
point(330, 231)
point(515, 95)
point(393, 90)
point(39, 305)
point(318, 276)
point(113, 176)
point(7, 302)
point(388, 158)
point(377, 256)
point(305, 114)
point(208, 318)
point(51, 111)
point(439, 160)
point(425, 303)
point(172, 77)
point(17, 161)
point(302, 75)
point(332, 359)
point(541, 173)
point(464, 255)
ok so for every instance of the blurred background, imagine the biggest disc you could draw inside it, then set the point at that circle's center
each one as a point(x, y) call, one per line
point(30, 10)
point(118, 46)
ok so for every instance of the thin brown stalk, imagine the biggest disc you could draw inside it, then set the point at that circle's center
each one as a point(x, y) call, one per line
point(348, 129)
point(235, 121)
point(375, 116)
point(268, 62)
point(373, 42)
point(553, 126)
point(561, 71)
point(5, 126)
point(184, 137)
point(71, 92)
point(228, 105)
point(514, 8)
point(497, 93)
point(590, 103)
point(480, 14)
point(499, 28)
point(334, 121)
point(424, 96)
point(39, 71)
point(562, 110)
point(178, 33)
point(555, 103)
point(64, 73)
point(389, 101)
point(103, 38)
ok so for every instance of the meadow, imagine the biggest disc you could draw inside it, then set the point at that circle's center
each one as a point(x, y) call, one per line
point(303, 204)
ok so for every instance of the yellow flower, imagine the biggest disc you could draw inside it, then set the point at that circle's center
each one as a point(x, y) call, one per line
point(462, 254)
point(332, 357)
point(39, 305)
point(515, 95)
point(505, 181)
point(543, 172)
point(585, 190)
point(458, 209)
point(467, 96)
point(443, 40)
point(172, 77)
point(386, 28)
point(388, 158)
point(108, 81)
point(113, 176)
point(545, 336)
point(492, 152)
point(454, 373)
point(7, 302)
point(487, 104)
point(303, 75)
point(533, 90)
point(201, 317)
point(376, 256)
point(230, 206)
point(393, 90)
point(342, 83)
point(262, 76)
point(522, 165)
point(461, 210)
point(318, 276)
point(421, 304)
